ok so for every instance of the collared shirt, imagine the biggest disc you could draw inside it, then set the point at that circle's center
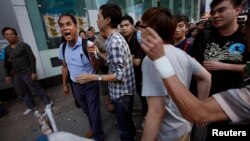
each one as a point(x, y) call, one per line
point(75, 59)
point(120, 64)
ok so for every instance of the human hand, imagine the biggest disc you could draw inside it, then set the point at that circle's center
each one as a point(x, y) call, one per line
point(213, 65)
point(85, 78)
point(66, 89)
point(33, 76)
point(152, 44)
point(8, 79)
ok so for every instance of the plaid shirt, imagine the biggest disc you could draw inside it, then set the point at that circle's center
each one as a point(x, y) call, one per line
point(120, 64)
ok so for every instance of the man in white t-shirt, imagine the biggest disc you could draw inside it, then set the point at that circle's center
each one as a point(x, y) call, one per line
point(233, 104)
point(163, 121)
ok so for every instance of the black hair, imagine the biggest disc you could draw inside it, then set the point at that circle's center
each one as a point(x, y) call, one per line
point(68, 15)
point(113, 12)
point(8, 28)
point(129, 18)
point(182, 18)
point(82, 31)
point(234, 2)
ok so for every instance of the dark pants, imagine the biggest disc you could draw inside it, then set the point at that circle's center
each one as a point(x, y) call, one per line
point(144, 104)
point(23, 85)
point(123, 107)
point(88, 96)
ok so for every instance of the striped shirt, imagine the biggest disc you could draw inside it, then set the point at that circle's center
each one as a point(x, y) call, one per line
point(235, 103)
point(120, 64)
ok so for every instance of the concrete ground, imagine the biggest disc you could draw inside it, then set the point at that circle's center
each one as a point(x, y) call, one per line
point(16, 127)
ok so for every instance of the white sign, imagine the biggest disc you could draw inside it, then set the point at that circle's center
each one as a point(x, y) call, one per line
point(92, 15)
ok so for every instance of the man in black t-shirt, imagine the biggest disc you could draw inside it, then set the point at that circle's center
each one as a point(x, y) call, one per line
point(222, 50)
point(129, 33)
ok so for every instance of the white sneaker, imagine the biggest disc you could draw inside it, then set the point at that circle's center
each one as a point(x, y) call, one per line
point(48, 106)
point(27, 111)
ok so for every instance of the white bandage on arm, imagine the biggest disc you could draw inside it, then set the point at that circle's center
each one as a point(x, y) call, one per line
point(164, 67)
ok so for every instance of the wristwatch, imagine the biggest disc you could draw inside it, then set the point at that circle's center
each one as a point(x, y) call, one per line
point(100, 78)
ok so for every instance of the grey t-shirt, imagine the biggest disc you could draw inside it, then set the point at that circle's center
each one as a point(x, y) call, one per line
point(235, 103)
point(173, 125)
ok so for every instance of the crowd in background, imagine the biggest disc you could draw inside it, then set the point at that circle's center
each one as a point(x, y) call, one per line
point(207, 57)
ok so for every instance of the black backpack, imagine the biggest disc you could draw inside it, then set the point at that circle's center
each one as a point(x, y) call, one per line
point(84, 45)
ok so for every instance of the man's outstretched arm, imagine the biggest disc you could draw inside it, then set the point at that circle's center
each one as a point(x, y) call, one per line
point(191, 108)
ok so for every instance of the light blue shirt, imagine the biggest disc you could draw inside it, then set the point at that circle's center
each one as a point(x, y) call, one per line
point(76, 60)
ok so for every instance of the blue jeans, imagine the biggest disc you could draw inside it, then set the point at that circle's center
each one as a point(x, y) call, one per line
point(123, 107)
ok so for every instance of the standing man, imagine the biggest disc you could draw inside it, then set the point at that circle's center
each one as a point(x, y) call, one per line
point(128, 31)
point(120, 67)
point(164, 122)
point(76, 62)
point(222, 50)
point(20, 63)
point(90, 35)
point(180, 40)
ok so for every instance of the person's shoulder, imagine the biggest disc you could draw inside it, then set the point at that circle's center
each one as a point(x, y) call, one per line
point(170, 49)
point(23, 44)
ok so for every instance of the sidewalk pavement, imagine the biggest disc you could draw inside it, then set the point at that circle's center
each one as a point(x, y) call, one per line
point(16, 127)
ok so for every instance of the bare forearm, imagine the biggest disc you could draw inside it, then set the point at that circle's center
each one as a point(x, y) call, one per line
point(64, 76)
point(203, 84)
point(154, 117)
point(186, 102)
point(151, 129)
point(109, 78)
point(234, 67)
point(203, 89)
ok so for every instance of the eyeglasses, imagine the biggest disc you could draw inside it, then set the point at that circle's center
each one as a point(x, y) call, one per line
point(140, 26)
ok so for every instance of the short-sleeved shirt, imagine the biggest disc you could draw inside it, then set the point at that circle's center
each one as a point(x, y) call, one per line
point(173, 125)
point(209, 45)
point(75, 59)
point(185, 45)
point(120, 64)
point(235, 103)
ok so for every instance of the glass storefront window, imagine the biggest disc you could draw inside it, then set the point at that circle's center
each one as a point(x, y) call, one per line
point(44, 14)
point(45, 25)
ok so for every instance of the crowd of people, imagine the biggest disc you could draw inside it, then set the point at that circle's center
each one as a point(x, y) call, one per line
point(161, 58)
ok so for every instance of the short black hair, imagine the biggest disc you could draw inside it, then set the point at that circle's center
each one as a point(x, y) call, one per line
point(82, 31)
point(234, 2)
point(113, 12)
point(129, 18)
point(182, 18)
point(8, 28)
point(68, 15)
point(91, 28)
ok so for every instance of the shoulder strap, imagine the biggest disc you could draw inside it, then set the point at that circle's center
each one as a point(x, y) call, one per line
point(12, 53)
point(84, 48)
point(63, 49)
point(84, 45)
